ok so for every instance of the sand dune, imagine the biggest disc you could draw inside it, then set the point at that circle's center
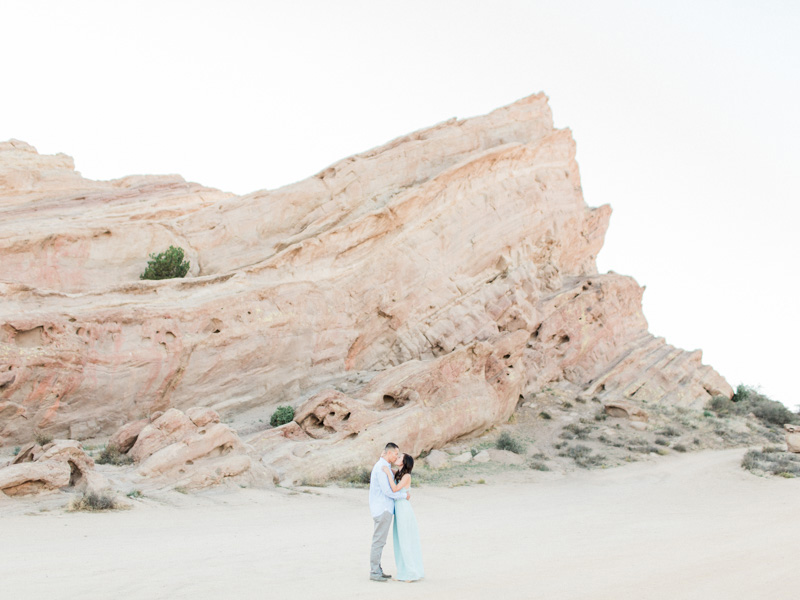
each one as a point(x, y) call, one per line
point(689, 526)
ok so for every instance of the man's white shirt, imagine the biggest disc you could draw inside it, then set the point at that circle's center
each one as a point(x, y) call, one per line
point(381, 496)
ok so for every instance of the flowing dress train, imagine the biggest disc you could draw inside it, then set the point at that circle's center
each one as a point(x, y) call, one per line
point(407, 549)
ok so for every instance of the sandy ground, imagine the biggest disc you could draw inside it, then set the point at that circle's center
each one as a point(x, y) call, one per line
point(681, 527)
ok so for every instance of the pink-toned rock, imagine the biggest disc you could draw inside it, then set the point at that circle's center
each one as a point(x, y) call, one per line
point(125, 437)
point(195, 450)
point(170, 427)
point(34, 477)
point(792, 437)
point(27, 453)
point(420, 405)
point(61, 464)
point(623, 409)
point(215, 440)
point(437, 459)
point(202, 416)
point(433, 281)
point(505, 457)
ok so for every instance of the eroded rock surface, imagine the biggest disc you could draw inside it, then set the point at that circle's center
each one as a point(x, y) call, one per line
point(59, 464)
point(414, 292)
point(192, 450)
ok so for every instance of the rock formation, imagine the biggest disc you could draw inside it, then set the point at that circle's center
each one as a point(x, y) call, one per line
point(56, 465)
point(192, 449)
point(416, 291)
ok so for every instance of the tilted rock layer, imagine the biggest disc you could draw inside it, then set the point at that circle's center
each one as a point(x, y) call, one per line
point(414, 291)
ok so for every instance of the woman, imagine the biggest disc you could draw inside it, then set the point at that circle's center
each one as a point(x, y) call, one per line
point(407, 550)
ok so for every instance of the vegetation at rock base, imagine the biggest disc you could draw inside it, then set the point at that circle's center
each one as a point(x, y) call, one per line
point(166, 265)
point(112, 456)
point(93, 502)
point(748, 400)
point(506, 442)
point(43, 439)
point(281, 416)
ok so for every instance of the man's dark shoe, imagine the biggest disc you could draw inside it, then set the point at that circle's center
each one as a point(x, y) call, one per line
point(380, 578)
point(386, 576)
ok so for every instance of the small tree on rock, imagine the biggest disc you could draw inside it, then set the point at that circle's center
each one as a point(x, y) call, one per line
point(166, 265)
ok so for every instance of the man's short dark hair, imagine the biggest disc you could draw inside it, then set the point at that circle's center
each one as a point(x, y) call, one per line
point(391, 446)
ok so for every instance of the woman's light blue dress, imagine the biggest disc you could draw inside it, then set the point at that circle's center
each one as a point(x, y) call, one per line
point(407, 549)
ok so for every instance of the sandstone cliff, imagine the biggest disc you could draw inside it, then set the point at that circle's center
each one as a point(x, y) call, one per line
point(417, 290)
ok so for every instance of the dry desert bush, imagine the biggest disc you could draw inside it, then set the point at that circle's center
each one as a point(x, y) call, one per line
point(93, 502)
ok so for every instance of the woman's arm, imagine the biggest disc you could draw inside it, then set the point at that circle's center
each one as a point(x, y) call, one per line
point(395, 486)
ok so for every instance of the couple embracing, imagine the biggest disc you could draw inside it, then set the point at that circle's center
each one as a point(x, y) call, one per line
point(389, 495)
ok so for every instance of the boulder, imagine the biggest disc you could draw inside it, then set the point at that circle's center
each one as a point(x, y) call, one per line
point(624, 409)
point(505, 457)
point(179, 456)
point(463, 458)
point(437, 459)
point(638, 425)
point(482, 457)
point(27, 453)
point(194, 450)
point(125, 437)
point(792, 437)
point(202, 416)
point(170, 427)
point(60, 464)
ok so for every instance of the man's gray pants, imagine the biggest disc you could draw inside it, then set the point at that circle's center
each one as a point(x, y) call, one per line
point(382, 526)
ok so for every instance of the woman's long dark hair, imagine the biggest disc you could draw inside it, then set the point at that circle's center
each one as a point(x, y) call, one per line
point(408, 466)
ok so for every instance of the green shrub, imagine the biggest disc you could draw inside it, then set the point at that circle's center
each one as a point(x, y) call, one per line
point(112, 456)
point(662, 442)
point(721, 405)
point(281, 416)
point(538, 466)
point(679, 448)
point(134, 494)
point(774, 412)
point(748, 400)
point(166, 265)
point(506, 442)
point(742, 393)
point(546, 416)
point(16, 450)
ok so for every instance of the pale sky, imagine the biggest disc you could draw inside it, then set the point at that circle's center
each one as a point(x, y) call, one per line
point(686, 117)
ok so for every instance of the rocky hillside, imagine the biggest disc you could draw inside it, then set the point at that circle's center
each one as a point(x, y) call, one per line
point(419, 291)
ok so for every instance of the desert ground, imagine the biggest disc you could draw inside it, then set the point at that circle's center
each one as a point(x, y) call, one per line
point(683, 526)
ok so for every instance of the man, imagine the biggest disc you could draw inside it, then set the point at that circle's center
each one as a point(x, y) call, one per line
point(381, 505)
